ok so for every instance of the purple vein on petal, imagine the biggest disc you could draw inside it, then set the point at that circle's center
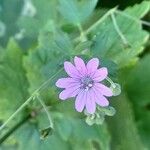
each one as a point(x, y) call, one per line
point(100, 99)
point(92, 65)
point(104, 90)
point(80, 65)
point(67, 82)
point(90, 102)
point(100, 74)
point(80, 101)
point(69, 92)
point(71, 70)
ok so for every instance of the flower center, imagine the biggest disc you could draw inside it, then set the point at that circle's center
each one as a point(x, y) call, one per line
point(86, 83)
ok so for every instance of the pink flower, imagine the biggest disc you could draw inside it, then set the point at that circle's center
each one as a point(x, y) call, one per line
point(84, 84)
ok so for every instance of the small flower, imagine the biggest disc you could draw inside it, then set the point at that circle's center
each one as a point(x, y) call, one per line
point(84, 84)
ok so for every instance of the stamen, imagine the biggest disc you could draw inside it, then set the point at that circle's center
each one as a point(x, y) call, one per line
point(90, 85)
point(86, 89)
point(86, 83)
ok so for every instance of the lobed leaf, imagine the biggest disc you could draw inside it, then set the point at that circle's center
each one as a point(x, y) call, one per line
point(76, 12)
point(108, 43)
point(13, 82)
point(138, 87)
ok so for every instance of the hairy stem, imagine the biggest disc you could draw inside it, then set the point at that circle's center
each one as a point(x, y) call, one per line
point(82, 34)
point(101, 20)
point(28, 100)
point(111, 82)
point(16, 112)
point(45, 109)
point(13, 129)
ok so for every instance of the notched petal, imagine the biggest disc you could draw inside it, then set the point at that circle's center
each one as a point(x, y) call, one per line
point(71, 70)
point(90, 103)
point(69, 92)
point(66, 82)
point(80, 101)
point(80, 65)
point(100, 74)
point(92, 65)
point(100, 99)
point(104, 90)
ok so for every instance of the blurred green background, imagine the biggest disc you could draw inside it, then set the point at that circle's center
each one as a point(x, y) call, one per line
point(37, 36)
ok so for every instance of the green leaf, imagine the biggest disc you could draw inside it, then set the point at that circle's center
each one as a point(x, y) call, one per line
point(140, 10)
point(78, 10)
point(13, 82)
point(74, 131)
point(68, 132)
point(47, 59)
point(108, 43)
point(30, 139)
point(138, 87)
point(123, 127)
point(99, 134)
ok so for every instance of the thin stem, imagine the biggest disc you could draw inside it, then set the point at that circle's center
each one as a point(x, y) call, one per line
point(118, 29)
point(28, 100)
point(111, 82)
point(45, 109)
point(82, 34)
point(47, 81)
point(83, 37)
point(16, 112)
point(101, 20)
point(133, 18)
point(13, 129)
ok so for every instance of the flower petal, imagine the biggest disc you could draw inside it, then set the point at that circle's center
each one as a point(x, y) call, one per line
point(66, 82)
point(69, 92)
point(104, 90)
point(100, 99)
point(80, 65)
point(80, 101)
point(92, 65)
point(100, 74)
point(71, 70)
point(90, 102)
